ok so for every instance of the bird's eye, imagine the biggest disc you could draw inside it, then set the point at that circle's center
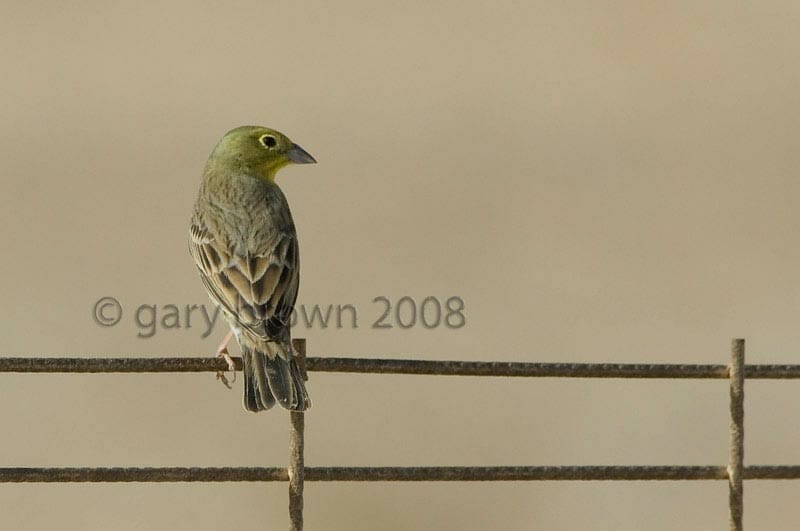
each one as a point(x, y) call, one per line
point(269, 141)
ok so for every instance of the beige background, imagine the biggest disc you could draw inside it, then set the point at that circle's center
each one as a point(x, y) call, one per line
point(598, 181)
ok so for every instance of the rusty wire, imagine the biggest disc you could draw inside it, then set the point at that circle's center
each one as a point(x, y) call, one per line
point(296, 470)
point(372, 474)
point(402, 366)
point(297, 473)
point(736, 458)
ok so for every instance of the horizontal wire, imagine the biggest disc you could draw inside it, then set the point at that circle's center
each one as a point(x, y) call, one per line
point(141, 475)
point(401, 366)
point(434, 473)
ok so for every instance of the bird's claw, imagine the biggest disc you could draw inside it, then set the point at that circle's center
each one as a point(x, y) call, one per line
point(223, 353)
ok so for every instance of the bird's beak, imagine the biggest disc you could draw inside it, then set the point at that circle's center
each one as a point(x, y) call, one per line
point(299, 155)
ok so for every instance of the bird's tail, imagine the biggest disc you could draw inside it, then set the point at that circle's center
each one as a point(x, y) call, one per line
point(271, 372)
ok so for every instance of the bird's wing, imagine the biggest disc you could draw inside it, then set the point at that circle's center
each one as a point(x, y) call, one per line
point(257, 290)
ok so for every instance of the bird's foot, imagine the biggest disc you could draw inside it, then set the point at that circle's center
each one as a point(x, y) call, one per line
point(222, 352)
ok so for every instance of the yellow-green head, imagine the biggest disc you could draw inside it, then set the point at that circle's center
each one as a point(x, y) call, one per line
point(256, 150)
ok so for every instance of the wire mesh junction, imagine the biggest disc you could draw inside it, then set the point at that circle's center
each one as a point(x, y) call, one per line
point(296, 473)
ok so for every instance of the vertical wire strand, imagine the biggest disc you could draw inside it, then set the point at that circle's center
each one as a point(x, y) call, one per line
point(736, 458)
point(296, 467)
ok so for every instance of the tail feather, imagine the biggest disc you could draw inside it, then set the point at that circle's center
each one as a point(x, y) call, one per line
point(257, 394)
point(270, 374)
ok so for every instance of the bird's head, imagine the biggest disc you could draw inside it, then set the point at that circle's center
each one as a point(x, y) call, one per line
point(257, 150)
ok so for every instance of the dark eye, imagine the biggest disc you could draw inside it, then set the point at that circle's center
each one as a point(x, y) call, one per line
point(269, 141)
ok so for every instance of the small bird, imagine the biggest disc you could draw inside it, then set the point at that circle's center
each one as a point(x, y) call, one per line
point(243, 240)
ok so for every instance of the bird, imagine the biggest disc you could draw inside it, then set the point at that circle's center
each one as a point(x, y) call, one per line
point(243, 240)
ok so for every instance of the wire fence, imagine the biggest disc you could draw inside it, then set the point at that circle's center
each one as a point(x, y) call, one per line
point(296, 473)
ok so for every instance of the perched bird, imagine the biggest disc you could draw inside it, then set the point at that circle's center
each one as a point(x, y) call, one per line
point(243, 240)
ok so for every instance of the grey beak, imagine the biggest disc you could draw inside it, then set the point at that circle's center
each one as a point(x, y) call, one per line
point(299, 155)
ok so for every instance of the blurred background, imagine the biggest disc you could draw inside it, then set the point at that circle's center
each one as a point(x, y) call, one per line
point(596, 181)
